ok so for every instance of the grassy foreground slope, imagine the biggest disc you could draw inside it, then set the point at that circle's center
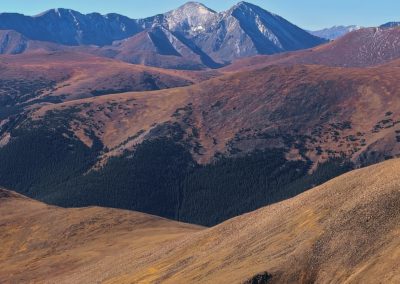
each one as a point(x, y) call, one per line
point(344, 231)
point(41, 243)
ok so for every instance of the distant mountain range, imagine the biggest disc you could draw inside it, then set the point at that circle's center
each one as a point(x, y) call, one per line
point(335, 31)
point(190, 37)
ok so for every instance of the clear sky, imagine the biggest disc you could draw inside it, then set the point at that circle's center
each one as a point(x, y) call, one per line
point(308, 14)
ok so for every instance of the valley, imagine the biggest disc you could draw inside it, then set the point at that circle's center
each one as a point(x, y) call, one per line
point(198, 146)
point(310, 122)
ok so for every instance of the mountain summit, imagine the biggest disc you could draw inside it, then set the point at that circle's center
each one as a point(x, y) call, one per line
point(269, 33)
point(241, 31)
point(194, 8)
point(190, 17)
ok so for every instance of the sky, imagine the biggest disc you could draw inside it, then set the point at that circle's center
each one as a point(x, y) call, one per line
point(308, 14)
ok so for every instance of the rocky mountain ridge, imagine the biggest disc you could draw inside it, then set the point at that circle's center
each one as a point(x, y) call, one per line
point(192, 30)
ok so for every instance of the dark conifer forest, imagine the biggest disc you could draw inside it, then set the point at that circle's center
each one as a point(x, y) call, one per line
point(159, 178)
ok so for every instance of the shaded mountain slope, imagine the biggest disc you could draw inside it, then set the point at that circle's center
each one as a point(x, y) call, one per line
point(153, 48)
point(12, 42)
point(346, 230)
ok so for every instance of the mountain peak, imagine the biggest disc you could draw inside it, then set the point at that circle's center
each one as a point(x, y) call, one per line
point(247, 8)
point(192, 15)
point(196, 7)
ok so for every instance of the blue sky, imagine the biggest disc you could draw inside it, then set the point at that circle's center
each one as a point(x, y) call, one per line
point(309, 14)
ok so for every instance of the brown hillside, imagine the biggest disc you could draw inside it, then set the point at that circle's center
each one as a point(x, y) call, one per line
point(74, 75)
point(40, 243)
point(312, 112)
point(345, 231)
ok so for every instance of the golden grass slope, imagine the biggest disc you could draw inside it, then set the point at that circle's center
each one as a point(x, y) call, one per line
point(40, 243)
point(345, 231)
